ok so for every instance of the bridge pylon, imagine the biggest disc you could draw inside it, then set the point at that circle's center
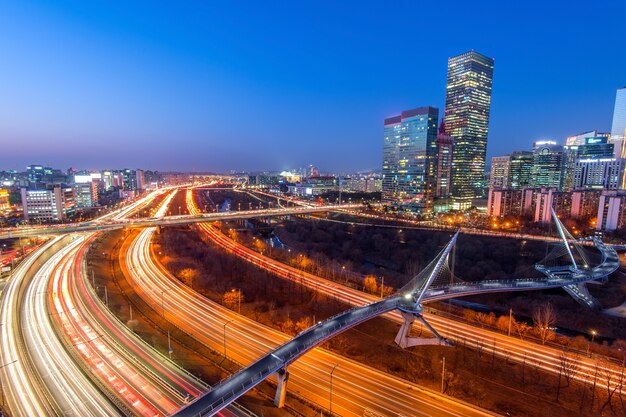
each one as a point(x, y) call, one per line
point(404, 340)
point(411, 307)
point(282, 377)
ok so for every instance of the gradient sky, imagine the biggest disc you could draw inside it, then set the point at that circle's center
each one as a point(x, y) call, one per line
point(221, 85)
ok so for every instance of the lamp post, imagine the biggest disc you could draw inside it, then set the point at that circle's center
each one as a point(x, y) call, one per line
point(226, 324)
point(331, 389)
point(238, 299)
point(163, 302)
point(443, 372)
point(593, 335)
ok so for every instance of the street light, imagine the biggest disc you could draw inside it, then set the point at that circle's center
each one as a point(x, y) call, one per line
point(226, 324)
point(593, 335)
point(238, 299)
point(443, 372)
point(331, 389)
point(162, 302)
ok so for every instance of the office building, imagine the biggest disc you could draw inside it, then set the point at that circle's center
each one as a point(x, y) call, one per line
point(595, 148)
point(581, 138)
point(468, 103)
point(445, 150)
point(500, 172)
point(409, 160)
point(520, 170)
point(85, 190)
point(547, 164)
point(603, 174)
point(47, 205)
point(570, 156)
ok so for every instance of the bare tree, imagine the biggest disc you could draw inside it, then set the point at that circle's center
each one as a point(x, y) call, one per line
point(612, 380)
point(544, 319)
point(567, 368)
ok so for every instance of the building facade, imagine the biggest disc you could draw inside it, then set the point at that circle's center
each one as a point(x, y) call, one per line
point(48, 205)
point(500, 172)
point(468, 104)
point(445, 150)
point(547, 164)
point(409, 160)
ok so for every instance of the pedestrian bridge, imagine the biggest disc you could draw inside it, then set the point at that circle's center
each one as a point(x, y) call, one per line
point(409, 302)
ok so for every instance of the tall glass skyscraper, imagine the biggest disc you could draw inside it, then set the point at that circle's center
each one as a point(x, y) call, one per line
point(618, 128)
point(468, 102)
point(410, 160)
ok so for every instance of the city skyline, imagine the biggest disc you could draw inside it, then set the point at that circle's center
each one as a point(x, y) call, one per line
point(95, 79)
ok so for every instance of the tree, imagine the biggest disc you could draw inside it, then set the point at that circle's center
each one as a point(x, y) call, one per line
point(544, 319)
point(233, 299)
point(567, 368)
point(188, 276)
point(370, 284)
point(232, 233)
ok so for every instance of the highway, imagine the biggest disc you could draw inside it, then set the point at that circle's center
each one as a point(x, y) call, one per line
point(53, 363)
point(541, 356)
point(356, 387)
point(43, 379)
point(112, 222)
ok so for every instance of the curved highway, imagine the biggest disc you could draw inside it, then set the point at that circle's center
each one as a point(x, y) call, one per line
point(356, 387)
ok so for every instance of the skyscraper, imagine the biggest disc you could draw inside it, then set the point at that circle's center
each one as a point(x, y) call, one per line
point(409, 161)
point(445, 149)
point(547, 164)
point(468, 102)
point(618, 129)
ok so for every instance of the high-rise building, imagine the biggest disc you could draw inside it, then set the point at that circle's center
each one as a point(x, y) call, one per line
point(409, 160)
point(520, 171)
point(618, 128)
point(598, 173)
point(595, 148)
point(619, 114)
point(570, 156)
point(445, 150)
point(468, 102)
point(47, 205)
point(581, 138)
point(547, 164)
point(500, 171)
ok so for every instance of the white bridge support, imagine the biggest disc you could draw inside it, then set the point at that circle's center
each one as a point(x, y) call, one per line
point(282, 376)
point(404, 340)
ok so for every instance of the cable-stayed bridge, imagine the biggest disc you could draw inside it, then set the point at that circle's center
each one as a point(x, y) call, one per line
point(568, 265)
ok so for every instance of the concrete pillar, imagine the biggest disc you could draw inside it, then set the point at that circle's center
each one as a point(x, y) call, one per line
point(282, 376)
point(404, 340)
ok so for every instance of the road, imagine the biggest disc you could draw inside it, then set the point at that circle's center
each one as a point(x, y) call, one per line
point(356, 387)
point(43, 379)
point(511, 348)
point(113, 223)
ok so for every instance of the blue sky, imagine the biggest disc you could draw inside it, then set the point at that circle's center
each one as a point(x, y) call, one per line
point(210, 85)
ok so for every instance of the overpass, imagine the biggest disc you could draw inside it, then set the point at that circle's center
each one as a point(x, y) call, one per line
point(113, 224)
point(409, 302)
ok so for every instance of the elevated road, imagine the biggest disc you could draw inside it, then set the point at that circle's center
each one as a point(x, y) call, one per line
point(114, 223)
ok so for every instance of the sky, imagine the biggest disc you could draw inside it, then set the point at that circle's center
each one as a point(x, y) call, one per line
point(272, 85)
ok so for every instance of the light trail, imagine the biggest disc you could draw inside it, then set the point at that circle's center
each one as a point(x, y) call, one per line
point(356, 387)
point(522, 351)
